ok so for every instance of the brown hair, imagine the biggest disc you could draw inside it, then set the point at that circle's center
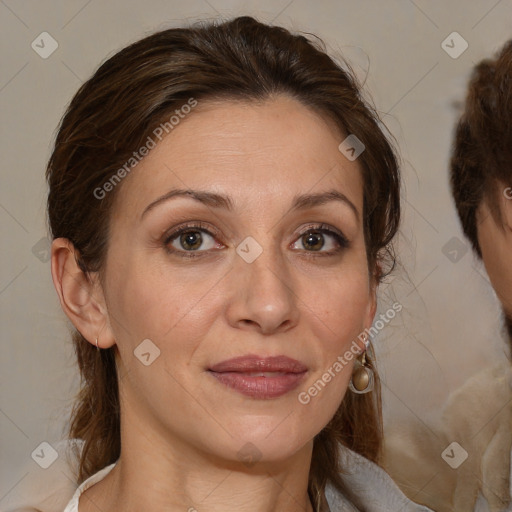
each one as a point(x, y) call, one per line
point(482, 150)
point(115, 111)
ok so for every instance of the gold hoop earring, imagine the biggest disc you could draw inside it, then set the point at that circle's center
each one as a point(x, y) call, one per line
point(363, 378)
point(97, 344)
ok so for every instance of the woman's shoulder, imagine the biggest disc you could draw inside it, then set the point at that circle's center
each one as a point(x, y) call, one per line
point(43, 487)
point(72, 505)
point(372, 488)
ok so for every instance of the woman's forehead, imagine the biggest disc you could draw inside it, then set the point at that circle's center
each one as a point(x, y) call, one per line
point(278, 147)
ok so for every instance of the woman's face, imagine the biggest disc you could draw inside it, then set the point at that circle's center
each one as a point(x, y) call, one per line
point(495, 241)
point(253, 274)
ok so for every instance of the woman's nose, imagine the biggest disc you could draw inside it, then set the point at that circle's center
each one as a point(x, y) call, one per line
point(262, 290)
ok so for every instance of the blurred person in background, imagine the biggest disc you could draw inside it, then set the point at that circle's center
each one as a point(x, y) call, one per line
point(478, 415)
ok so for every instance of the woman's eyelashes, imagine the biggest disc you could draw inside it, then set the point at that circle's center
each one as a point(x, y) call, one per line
point(195, 239)
point(312, 239)
point(186, 240)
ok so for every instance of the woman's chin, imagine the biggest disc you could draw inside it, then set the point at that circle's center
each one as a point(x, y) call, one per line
point(258, 447)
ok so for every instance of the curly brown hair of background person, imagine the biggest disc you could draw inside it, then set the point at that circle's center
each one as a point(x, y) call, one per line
point(481, 157)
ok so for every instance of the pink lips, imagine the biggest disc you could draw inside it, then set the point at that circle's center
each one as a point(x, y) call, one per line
point(260, 377)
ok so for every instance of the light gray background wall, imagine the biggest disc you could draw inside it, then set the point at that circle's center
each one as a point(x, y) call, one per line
point(450, 326)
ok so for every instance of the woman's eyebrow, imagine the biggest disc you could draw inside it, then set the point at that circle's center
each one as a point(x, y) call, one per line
point(215, 200)
point(301, 202)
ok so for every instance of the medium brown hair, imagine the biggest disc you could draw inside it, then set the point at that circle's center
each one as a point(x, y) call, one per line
point(481, 160)
point(115, 111)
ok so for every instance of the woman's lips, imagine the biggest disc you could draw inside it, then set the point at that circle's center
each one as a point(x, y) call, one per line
point(260, 377)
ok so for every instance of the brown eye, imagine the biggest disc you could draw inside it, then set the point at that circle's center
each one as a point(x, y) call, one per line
point(323, 240)
point(313, 240)
point(191, 240)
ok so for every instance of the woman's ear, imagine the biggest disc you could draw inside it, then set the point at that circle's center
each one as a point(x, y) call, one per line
point(372, 301)
point(506, 206)
point(81, 296)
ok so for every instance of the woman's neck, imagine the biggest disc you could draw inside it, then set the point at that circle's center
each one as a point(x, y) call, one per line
point(152, 476)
